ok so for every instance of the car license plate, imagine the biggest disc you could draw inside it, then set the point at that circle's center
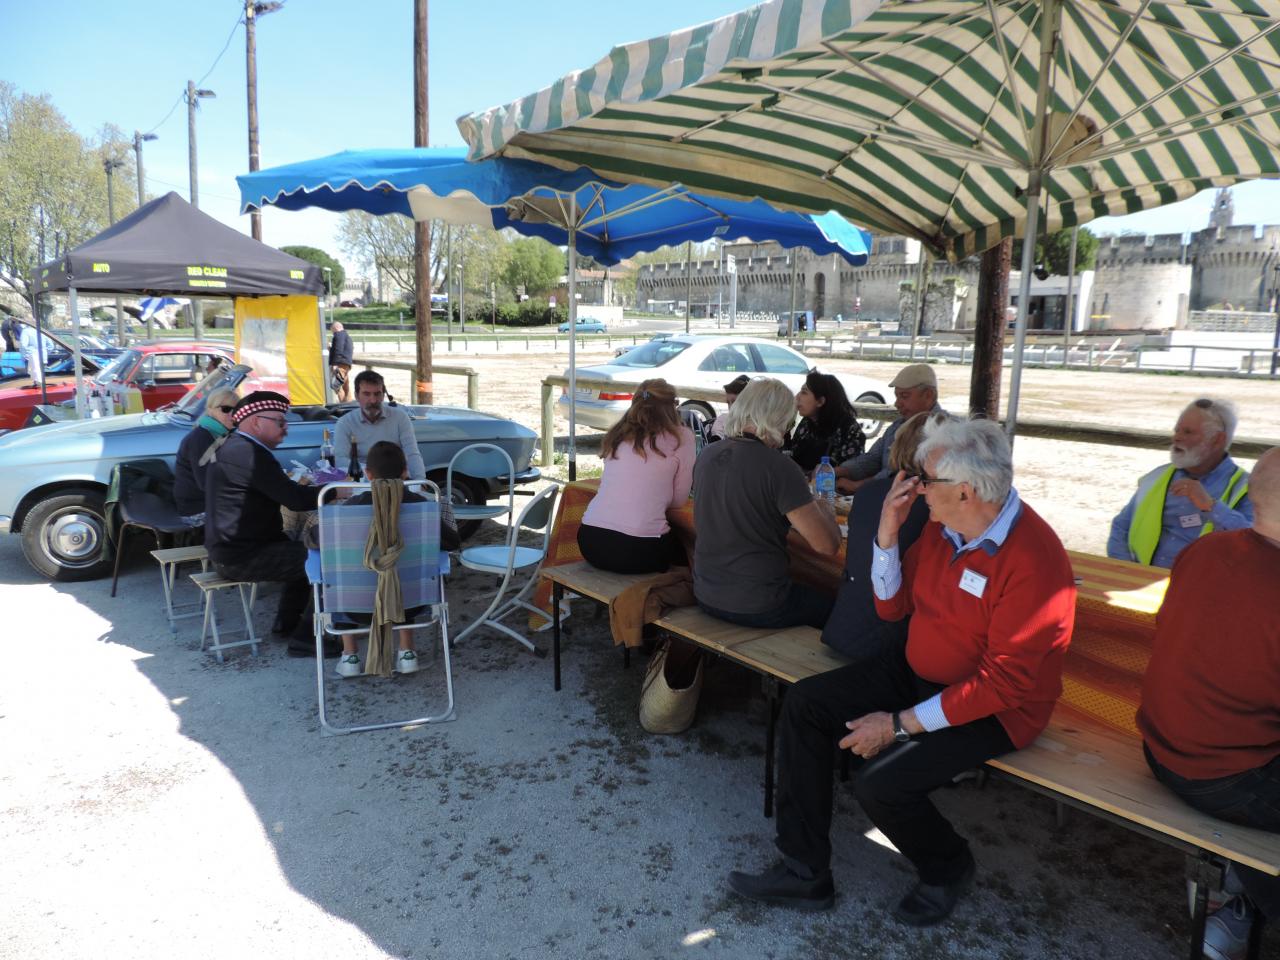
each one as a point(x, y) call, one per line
point(585, 393)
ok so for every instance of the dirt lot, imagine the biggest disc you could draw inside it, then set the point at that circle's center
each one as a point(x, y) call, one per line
point(1078, 487)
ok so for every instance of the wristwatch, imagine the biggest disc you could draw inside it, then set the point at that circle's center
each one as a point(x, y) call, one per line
point(900, 734)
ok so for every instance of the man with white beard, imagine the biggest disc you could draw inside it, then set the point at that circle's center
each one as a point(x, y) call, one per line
point(1201, 490)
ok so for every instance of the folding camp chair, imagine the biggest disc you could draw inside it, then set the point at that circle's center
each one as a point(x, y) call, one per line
point(505, 559)
point(342, 584)
point(481, 460)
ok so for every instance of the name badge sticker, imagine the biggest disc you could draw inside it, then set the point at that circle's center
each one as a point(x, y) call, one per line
point(1191, 520)
point(974, 583)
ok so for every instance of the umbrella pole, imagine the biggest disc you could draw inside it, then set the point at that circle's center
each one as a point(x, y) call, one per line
point(573, 336)
point(1024, 295)
point(78, 367)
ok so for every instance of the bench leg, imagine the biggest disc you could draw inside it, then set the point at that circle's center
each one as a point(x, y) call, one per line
point(1255, 936)
point(774, 702)
point(626, 657)
point(557, 592)
point(1205, 874)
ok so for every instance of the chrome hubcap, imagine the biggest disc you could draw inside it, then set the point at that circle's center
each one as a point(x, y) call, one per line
point(73, 539)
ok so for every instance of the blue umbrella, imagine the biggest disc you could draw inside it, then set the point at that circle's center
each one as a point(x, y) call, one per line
point(589, 214)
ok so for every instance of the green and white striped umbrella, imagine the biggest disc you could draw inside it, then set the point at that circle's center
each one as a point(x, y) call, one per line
point(922, 118)
point(958, 122)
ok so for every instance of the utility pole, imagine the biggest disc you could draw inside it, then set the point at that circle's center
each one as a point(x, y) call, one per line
point(138, 140)
point(421, 230)
point(193, 98)
point(111, 165)
point(251, 13)
point(1068, 321)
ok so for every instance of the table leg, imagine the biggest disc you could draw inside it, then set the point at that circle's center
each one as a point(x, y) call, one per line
point(626, 657)
point(557, 592)
point(1204, 872)
point(771, 694)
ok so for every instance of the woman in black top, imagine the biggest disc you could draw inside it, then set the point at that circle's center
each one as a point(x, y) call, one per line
point(827, 427)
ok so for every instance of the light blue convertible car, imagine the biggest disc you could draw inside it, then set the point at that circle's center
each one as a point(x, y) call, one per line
point(53, 478)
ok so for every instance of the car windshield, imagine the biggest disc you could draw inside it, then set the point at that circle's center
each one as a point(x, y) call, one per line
point(227, 376)
point(652, 354)
point(116, 369)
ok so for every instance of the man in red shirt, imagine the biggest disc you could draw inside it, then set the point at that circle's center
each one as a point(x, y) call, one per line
point(991, 597)
point(1210, 716)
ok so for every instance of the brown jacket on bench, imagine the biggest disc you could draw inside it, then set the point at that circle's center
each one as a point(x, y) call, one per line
point(645, 602)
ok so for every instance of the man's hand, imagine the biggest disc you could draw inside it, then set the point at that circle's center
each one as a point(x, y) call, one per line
point(868, 735)
point(1194, 491)
point(897, 504)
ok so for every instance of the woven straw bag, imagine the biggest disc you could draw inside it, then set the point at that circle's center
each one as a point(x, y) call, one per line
point(662, 709)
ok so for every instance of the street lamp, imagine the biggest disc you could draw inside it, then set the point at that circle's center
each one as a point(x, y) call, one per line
point(193, 99)
point(110, 165)
point(138, 140)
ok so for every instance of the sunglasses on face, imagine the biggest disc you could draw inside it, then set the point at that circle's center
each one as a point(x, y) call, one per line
point(925, 480)
point(225, 409)
point(278, 421)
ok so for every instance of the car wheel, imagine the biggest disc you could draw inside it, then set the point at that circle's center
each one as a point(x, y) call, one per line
point(63, 536)
point(699, 410)
point(464, 493)
point(871, 427)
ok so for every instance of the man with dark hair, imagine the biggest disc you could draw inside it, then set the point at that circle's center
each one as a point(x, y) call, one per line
point(341, 356)
point(245, 487)
point(358, 430)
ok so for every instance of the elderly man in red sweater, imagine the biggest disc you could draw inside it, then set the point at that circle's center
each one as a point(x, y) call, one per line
point(991, 598)
point(1210, 714)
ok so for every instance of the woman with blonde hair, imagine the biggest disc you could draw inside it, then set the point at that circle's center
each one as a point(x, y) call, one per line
point(188, 474)
point(750, 495)
point(648, 467)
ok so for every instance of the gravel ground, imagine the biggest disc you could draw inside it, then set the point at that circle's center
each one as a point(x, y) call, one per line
point(157, 804)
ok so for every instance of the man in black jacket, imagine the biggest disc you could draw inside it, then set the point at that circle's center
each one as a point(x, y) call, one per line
point(245, 487)
point(341, 357)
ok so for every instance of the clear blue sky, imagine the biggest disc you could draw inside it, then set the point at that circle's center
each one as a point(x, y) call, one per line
point(335, 76)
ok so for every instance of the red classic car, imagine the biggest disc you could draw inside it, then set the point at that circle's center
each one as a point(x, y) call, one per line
point(162, 372)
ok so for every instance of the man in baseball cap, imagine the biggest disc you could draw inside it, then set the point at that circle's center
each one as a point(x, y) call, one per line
point(243, 530)
point(915, 390)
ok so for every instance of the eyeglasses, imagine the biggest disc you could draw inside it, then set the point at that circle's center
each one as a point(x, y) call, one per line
point(278, 421)
point(226, 409)
point(925, 480)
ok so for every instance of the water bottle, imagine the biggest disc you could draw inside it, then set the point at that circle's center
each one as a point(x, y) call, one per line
point(824, 482)
point(326, 453)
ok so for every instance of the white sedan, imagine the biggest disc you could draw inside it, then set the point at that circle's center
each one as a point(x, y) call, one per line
point(707, 362)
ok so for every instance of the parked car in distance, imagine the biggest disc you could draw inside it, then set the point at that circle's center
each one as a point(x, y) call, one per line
point(53, 478)
point(162, 372)
point(707, 362)
point(631, 346)
point(585, 325)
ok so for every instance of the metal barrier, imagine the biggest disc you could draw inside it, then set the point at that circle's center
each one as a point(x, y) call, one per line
point(1250, 447)
point(472, 375)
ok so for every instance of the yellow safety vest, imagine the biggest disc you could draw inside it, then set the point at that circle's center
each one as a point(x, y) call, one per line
point(1148, 512)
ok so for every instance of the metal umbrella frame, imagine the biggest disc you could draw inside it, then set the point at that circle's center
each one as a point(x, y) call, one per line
point(577, 208)
point(952, 121)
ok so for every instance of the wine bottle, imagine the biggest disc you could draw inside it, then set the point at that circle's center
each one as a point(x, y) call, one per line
point(353, 469)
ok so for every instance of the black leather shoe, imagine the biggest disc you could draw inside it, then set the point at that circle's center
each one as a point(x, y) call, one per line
point(782, 886)
point(926, 904)
point(282, 626)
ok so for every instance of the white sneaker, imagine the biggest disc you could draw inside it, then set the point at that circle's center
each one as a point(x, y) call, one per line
point(349, 665)
point(1226, 934)
point(406, 662)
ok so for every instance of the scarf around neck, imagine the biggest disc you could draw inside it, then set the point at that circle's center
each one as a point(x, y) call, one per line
point(212, 425)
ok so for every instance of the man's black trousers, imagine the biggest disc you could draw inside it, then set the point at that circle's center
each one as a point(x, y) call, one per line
point(277, 560)
point(894, 786)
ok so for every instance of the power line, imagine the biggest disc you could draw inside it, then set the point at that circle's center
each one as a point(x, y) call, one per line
point(182, 96)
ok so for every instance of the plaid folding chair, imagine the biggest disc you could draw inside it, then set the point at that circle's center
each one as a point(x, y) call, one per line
point(342, 584)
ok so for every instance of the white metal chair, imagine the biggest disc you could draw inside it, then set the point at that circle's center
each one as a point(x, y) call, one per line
point(481, 460)
point(505, 559)
point(342, 584)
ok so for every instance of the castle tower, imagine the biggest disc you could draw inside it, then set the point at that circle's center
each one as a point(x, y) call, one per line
point(1223, 213)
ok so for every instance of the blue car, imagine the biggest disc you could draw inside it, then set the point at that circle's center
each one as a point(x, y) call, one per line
point(585, 325)
point(53, 478)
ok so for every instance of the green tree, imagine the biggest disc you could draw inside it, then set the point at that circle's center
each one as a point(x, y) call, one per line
point(534, 265)
point(53, 191)
point(385, 244)
point(336, 277)
point(1054, 252)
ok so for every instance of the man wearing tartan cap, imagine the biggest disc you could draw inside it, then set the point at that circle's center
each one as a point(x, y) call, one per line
point(244, 532)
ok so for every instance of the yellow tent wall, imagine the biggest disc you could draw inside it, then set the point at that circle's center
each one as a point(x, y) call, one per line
point(281, 337)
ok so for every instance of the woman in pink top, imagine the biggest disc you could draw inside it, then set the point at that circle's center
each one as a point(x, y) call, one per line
point(648, 467)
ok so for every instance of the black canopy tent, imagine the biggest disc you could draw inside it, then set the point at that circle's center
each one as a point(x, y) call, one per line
point(169, 248)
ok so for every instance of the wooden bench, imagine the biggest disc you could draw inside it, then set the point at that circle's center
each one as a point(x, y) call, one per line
point(1077, 761)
